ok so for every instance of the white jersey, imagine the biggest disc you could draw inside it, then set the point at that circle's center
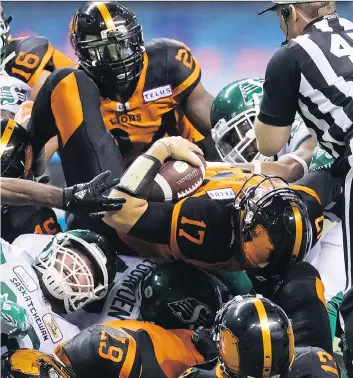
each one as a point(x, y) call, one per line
point(327, 257)
point(13, 92)
point(20, 285)
point(124, 298)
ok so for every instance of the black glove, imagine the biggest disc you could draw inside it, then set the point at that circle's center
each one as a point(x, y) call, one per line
point(202, 339)
point(89, 198)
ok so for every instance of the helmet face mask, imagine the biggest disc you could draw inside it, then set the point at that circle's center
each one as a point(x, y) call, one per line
point(273, 225)
point(110, 55)
point(232, 116)
point(67, 276)
point(235, 140)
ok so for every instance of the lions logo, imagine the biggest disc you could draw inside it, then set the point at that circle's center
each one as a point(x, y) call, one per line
point(192, 312)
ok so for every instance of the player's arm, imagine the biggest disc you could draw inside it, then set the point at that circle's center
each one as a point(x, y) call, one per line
point(135, 181)
point(188, 90)
point(80, 198)
point(98, 348)
point(278, 107)
point(198, 107)
point(290, 167)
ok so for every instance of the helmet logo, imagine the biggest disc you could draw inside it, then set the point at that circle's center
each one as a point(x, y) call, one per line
point(229, 350)
point(12, 95)
point(258, 250)
point(250, 87)
point(192, 312)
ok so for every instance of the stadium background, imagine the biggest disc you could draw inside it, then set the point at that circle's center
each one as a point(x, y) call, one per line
point(228, 38)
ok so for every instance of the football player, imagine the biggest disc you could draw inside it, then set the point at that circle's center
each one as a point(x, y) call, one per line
point(126, 348)
point(144, 290)
point(16, 162)
point(234, 220)
point(232, 115)
point(255, 337)
point(74, 268)
point(29, 59)
point(134, 91)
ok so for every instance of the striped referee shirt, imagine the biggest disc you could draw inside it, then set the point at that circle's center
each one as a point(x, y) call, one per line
point(313, 74)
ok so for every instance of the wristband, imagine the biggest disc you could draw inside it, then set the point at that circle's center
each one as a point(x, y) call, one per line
point(135, 181)
point(301, 161)
point(257, 167)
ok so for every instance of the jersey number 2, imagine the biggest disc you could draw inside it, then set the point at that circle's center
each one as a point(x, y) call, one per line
point(184, 57)
point(340, 47)
point(201, 234)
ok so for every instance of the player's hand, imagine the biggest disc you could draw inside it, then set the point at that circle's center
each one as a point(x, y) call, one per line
point(90, 198)
point(14, 318)
point(202, 339)
point(179, 148)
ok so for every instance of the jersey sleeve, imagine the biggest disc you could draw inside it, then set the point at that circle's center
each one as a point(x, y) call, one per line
point(32, 56)
point(45, 222)
point(299, 134)
point(281, 88)
point(201, 231)
point(98, 348)
point(313, 362)
point(183, 69)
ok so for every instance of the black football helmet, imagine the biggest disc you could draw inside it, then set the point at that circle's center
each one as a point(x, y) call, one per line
point(26, 363)
point(108, 42)
point(15, 150)
point(255, 338)
point(180, 295)
point(272, 225)
point(4, 35)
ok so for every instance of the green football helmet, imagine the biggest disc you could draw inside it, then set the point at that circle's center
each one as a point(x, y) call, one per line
point(180, 295)
point(65, 273)
point(232, 115)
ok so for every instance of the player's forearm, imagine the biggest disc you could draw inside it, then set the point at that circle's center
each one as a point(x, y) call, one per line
point(287, 168)
point(26, 192)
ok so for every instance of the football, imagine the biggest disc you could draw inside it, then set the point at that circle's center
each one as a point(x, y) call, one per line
point(176, 179)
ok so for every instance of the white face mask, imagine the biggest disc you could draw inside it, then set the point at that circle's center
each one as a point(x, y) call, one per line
point(67, 276)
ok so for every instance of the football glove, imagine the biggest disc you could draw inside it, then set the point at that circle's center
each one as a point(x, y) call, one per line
point(89, 197)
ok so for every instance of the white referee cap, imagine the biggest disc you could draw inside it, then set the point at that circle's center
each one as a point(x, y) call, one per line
point(273, 4)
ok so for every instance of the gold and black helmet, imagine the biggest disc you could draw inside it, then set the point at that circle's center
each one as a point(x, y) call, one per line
point(255, 338)
point(26, 363)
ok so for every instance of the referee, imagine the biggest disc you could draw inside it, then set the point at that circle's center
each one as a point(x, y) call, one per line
point(313, 73)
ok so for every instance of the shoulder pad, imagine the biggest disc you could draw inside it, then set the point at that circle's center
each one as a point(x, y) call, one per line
point(31, 55)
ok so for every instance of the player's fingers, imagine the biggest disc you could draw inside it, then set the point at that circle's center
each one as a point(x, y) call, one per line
point(112, 200)
point(194, 148)
point(193, 159)
point(101, 177)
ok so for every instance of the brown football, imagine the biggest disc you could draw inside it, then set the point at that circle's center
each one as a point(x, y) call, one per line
point(176, 179)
